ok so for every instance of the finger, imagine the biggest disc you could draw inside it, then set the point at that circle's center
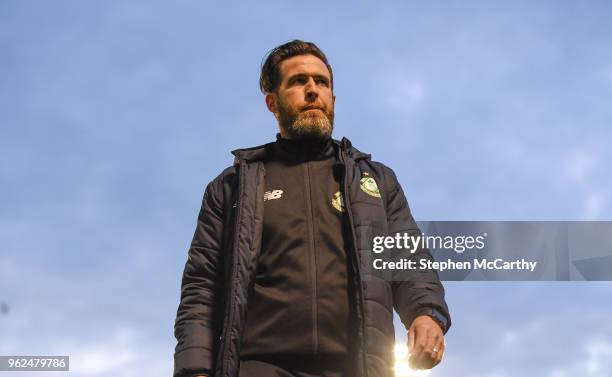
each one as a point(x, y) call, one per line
point(440, 346)
point(429, 355)
point(411, 337)
point(420, 342)
point(415, 349)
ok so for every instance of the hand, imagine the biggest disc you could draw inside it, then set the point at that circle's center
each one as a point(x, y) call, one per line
point(425, 343)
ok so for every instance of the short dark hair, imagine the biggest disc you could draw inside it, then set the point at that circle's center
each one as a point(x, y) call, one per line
point(270, 79)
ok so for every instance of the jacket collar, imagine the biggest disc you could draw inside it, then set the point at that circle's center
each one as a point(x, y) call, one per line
point(260, 152)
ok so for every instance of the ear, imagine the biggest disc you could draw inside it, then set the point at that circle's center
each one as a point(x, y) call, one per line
point(334, 99)
point(271, 103)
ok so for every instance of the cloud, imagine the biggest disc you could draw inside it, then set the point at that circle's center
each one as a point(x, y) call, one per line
point(595, 203)
point(583, 167)
point(580, 164)
point(109, 356)
point(123, 352)
point(594, 360)
point(120, 351)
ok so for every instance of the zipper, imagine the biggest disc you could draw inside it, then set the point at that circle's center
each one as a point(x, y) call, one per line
point(229, 319)
point(313, 258)
point(355, 260)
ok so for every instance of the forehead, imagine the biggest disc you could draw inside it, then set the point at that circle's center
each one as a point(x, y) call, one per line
point(303, 64)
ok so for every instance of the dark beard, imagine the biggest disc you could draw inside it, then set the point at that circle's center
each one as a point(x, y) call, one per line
point(305, 125)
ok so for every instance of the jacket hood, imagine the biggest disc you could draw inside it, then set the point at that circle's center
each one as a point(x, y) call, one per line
point(259, 152)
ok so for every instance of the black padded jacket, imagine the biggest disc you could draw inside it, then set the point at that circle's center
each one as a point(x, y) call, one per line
point(222, 261)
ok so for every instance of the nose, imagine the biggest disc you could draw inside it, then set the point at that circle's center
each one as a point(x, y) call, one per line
point(312, 92)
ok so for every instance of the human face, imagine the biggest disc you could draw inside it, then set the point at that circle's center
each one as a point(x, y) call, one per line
point(304, 102)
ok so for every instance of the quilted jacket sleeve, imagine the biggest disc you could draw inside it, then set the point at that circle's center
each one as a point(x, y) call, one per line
point(411, 297)
point(198, 315)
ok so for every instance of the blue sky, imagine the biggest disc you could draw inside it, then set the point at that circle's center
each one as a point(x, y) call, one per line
point(114, 115)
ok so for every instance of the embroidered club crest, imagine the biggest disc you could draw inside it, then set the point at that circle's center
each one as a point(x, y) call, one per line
point(369, 186)
point(338, 202)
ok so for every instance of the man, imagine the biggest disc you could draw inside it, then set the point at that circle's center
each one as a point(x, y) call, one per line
point(276, 282)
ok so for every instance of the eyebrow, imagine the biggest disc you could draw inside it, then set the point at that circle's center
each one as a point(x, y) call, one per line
point(316, 76)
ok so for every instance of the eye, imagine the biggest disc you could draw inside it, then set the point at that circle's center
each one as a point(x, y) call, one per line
point(299, 80)
point(322, 81)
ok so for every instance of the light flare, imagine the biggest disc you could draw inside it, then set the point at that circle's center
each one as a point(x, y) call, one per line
point(402, 367)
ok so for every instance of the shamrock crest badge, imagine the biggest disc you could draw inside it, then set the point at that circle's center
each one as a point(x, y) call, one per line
point(369, 186)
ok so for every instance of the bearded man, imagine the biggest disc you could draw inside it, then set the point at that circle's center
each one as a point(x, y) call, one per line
point(276, 282)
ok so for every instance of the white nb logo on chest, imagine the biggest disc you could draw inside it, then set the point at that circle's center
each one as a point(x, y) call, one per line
point(273, 194)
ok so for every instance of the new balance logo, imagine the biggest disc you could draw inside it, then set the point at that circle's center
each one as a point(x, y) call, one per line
point(274, 194)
